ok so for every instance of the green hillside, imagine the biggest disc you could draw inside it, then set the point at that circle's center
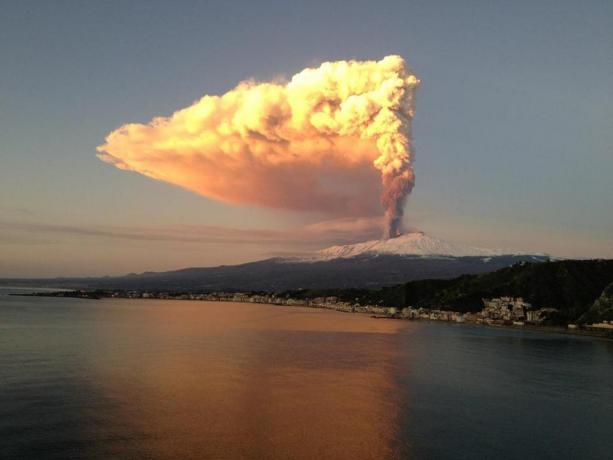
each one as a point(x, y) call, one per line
point(571, 286)
point(602, 309)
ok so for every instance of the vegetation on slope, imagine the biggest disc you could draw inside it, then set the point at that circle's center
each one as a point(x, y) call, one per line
point(571, 286)
point(602, 309)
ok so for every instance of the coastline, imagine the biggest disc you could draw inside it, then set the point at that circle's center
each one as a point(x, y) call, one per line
point(373, 312)
point(528, 327)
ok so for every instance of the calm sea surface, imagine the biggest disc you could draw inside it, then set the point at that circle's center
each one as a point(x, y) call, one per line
point(122, 379)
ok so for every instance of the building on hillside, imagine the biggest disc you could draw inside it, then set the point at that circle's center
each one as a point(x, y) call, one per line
point(539, 315)
point(505, 308)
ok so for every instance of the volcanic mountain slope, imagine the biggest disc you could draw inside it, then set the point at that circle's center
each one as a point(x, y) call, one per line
point(413, 244)
point(412, 256)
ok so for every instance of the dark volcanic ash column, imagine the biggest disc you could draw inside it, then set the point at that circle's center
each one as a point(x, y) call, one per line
point(396, 189)
point(396, 154)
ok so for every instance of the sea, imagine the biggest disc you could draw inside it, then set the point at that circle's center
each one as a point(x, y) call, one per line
point(171, 379)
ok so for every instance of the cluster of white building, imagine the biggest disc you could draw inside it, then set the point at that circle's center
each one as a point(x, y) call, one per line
point(513, 309)
point(330, 302)
point(500, 310)
point(505, 308)
point(432, 315)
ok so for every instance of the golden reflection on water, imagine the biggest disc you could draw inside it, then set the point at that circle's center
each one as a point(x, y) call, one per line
point(224, 380)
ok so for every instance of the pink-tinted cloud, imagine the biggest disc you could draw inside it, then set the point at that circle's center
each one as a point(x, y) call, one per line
point(317, 143)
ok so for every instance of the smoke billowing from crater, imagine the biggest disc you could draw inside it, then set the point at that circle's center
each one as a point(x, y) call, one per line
point(309, 144)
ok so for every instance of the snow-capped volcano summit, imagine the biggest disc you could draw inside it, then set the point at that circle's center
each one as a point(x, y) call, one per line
point(410, 244)
point(371, 264)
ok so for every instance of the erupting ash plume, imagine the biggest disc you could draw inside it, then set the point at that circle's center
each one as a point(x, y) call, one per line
point(308, 144)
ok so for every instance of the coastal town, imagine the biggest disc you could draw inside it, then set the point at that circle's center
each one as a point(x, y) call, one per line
point(501, 311)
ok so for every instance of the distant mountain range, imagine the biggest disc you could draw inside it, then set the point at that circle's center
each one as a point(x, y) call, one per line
point(371, 264)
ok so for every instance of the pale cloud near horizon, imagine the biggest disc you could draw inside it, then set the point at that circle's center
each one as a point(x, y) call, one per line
point(43, 249)
point(31, 248)
point(336, 231)
point(15, 211)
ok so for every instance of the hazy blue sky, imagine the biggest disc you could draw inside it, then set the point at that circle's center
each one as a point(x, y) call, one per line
point(513, 130)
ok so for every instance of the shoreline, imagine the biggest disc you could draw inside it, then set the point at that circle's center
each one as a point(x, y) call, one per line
point(373, 314)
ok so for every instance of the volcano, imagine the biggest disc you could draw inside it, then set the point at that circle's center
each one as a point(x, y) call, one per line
point(370, 264)
point(413, 244)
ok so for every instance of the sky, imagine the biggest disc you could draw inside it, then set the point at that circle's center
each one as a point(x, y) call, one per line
point(512, 130)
